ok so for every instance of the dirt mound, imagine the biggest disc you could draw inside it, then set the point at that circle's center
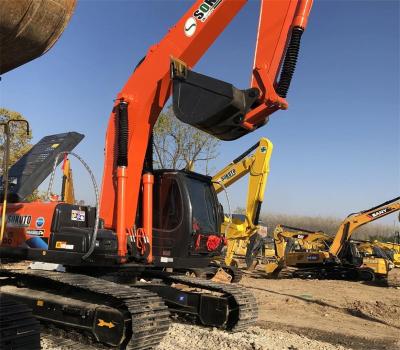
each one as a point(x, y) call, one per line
point(378, 311)
point(394, 278)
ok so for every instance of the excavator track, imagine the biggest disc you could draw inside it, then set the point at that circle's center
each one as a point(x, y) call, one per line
point(145, 313)
point(222, 305)
point(19, 330)
point(242, 304)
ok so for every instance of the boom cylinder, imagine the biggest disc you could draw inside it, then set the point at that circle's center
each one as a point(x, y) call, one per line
point(148, 181)
point(302, 13)
point(121, 218)
point(122, 163)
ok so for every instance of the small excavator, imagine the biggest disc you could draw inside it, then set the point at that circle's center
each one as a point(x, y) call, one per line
point(341, 258)
point(240, 228)
point(119, 285)
point(293, 246)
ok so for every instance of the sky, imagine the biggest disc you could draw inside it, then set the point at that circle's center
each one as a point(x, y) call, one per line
point(337, 148)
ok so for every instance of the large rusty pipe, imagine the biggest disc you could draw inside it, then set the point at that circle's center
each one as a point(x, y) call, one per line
point(29, 28)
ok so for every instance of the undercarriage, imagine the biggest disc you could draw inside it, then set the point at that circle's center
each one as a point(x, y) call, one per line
point(123, 310)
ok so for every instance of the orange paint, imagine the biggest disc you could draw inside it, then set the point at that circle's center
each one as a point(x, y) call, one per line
point(149, 87)
point(121, 211)
point(148, 181)
point(302, 13)
point(25, 218)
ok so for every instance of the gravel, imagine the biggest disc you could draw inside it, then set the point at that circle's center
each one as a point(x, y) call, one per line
point(187, 337)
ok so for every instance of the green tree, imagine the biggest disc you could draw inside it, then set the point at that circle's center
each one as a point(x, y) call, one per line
point(20, 141)
point(178, 145)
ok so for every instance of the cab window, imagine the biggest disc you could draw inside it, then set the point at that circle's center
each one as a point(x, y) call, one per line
point(167, 204)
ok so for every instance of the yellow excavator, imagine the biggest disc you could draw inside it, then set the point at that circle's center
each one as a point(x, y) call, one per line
point(375, 248)
point(392, 250)
point(254, 162)
point(343, 259)
point(296, 246)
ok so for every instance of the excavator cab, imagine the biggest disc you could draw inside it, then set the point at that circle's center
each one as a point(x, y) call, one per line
point(186, 220)
point(351, 255)
point(209, 104)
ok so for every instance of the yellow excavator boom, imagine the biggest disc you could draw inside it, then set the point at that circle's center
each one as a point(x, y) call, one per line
point(67, 189)
point(353, 221)
point(255, 163)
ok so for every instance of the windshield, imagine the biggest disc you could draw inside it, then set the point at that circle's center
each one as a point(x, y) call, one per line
point(203, 210)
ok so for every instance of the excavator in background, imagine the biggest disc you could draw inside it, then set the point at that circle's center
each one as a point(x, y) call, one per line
point(67, 185)
point(376, 248)
point(341, 259)
point(293, 245)
point(238, 229)
point(147, 222)
point(391, 249)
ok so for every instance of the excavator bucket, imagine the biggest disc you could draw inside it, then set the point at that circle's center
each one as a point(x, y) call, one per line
point(30, 28)
point(209, 104)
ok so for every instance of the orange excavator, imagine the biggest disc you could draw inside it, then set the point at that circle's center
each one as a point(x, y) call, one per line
point(149, 222)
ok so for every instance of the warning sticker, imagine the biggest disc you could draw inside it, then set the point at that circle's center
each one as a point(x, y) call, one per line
point(64, 245)
point(78, 215)
point(35, 232)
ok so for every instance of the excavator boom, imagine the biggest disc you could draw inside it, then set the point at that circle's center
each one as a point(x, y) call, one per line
point(255, 163)
point(146, 92)
point(353, 221)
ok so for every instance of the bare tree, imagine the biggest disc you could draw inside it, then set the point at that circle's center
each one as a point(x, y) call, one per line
point(329, 225)
point(178, 145)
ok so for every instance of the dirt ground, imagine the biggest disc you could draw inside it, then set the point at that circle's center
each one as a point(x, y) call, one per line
point(297, 314)
point(349, 314)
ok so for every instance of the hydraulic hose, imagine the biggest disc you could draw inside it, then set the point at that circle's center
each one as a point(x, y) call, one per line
point(96, 193)
point(122, 136)
point(289, 64)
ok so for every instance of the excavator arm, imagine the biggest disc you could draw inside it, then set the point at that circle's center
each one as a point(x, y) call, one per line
point(67, 184)
point(255, 163)
point(139, 103)
point(353, 221)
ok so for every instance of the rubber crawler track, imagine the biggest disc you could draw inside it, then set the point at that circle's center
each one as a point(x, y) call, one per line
point(19, 328)
point(150, 316)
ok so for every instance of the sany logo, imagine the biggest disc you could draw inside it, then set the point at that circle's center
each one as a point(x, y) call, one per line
point(205, 9)
point(378, 213)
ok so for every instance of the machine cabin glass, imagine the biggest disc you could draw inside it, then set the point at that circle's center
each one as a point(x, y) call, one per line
point(204, 213)
point(186, 213)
